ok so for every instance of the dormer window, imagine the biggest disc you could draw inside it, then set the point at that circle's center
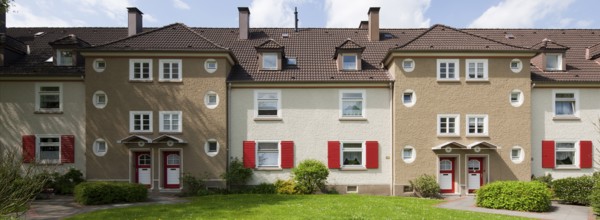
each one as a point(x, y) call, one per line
point(65, 57)
point(269, 61)
point(554, 61)
point(348, 55)
point(349, 62)
point(271, 55)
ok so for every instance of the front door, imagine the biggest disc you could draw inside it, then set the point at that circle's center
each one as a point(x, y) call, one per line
point(475, 173)
point(143, 170)
point(172, 169)
point(446, 176)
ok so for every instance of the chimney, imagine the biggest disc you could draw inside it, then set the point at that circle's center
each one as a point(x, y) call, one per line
point(244, 22)
point(363, 25)
point(373, 24)
point(134, 21)
point(296, 19)
point(588, 55)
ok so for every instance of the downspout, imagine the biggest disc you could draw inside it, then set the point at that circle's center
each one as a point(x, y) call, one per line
point(392, 188)
point(228, 130)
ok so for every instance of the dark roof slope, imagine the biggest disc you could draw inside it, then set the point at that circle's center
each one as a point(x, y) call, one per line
point(269, 44)
point(70, 39)
point(547, 44)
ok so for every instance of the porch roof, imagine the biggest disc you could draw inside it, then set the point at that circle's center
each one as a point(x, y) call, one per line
point(484, 144)
point(450, 144)
point(134, 139)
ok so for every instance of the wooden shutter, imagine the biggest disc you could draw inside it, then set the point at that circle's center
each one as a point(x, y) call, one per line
point(28, 148)
point(67, 149)
point(249, 154)
point(333, 154)
point(372, 155)
point(287, 154)
point(586, 153)
point(548, 154)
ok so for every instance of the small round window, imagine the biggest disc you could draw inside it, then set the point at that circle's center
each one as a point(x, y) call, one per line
point(99, 65)
point(211, 100)
point(211, 65)
point(100, 99)
point(517, 155)
point(409, 154)
point(516, 98)
point(211, 147)
point(409, 98)
point(100, 147)
point(516, 65)
point(408, 65)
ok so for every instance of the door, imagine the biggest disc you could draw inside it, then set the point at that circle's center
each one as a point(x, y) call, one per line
point(143, 170)
point(446, 176)
point(474, 173)
point(172, 169)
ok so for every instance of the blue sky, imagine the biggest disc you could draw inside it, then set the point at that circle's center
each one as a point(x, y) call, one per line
point(312, 13)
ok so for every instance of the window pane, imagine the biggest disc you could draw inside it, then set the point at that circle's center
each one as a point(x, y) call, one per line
point(566, 146)
point(408, 64)
point(212, 99)
point(407, 97)
point(49, 152)
point(352, 95)
point(564, 107)
point(101, 147)
point(551, 61)
point(565, 158)
point(349, 62)
point(352, 108)
point(267, 95)
point(514, 97)
point(565, 95)
point(267, 107)
point(352, 158)
point(269, 61)
point(407, 153)
point(50, 89)
point(212, 146)
point(515, 153)
point(49, 101)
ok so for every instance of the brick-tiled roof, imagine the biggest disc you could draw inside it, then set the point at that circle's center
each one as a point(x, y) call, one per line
point(70, 39)
point(269, 44)
point(547, 44)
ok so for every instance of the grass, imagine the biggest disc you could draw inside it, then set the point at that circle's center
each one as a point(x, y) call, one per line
point(292, 207)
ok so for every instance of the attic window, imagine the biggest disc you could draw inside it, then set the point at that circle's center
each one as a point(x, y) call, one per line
point(553, 61)
point(64, 57)
point(269, 61)
point(349, 62)
point(509, 36)
point(292, 61)
point(285, 35)
point(50, 60)
point(388, 36)
point(39, 34)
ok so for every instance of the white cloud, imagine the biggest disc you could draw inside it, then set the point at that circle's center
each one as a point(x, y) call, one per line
point(180, 4)
point(584, 23)
point(520, 14)
point(149, 18)
point(23, 16)
point(273, 13)
point(393, 13)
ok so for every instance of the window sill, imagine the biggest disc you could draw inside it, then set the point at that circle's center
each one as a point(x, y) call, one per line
point(141, 132)
point(268, 168)
point(353, 168)
point(48, 112)
point(268, 119)
point(478, 80)
point(352, 119)
point(477, 135)
point(140, 80)
point(170, 81)
point(567, 168)
point(448, 135)
point(566, 118)
point(269, 69)
point(448, 80)
point(170, 132)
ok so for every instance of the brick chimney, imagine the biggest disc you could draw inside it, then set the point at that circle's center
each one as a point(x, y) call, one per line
point(373, 24)
point(134, 21)
point(363, 25)
point(244, 22)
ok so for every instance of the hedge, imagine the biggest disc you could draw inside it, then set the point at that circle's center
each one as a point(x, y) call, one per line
point(531, 196)
point(574, 190)
point(96, 193)
point(595, 196)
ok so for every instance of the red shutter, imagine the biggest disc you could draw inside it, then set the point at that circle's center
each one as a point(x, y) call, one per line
point(249, 154)
point(333, 154)
point(287, 154)
point(585, 149)
point(67, 149)
point(372, 154)
point(28, 148)
point(548, 154)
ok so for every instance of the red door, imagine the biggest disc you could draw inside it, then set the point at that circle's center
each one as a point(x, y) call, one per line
point(446, 175)
point(143, 168)
point(172, 169)
point(475, 173)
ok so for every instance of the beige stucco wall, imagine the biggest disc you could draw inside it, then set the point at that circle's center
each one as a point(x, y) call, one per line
point(17, 107)
point(416, 126)
point(545, 127)
point(199, 122)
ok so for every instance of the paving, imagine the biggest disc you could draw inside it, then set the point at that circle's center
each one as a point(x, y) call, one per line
point(558, 211)
point(59, 207)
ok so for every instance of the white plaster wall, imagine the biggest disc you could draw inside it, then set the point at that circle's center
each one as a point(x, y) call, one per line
point(546, 128)
point(17, 117)
point(310, 119)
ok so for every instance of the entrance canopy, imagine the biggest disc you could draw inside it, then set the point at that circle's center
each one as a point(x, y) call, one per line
point(451, 144)
point(483, 144)
point(133, 139)
point(168, 139)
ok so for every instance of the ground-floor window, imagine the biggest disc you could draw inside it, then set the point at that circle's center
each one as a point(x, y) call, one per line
point(352, 154)
point(268, 154)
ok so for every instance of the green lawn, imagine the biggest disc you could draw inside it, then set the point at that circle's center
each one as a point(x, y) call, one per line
point(292, 207)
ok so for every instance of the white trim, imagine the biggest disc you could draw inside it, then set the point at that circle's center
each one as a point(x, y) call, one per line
point(476, 61)
point(206, 147)
point(559, 62)
point(519, 65)
point(38, 150)
point(439, 147)
point(131, 64)
point(521, 154)
point(206, 100)
point(356, 61)
point(486, 180)
point(126, 140)
point(38, 99)
point(456, 69)
point(157, 139)
point(96, 147)
point(131, 121)
point(457, 188)
point(575, 96)
point(413, 154)
point(59, 57)
point(413, 98)
point(409, 69)
point(270, 54)
point(364, 103)
point(131, 165)
point(256, 142)
point(95, 97)
point(363, 164)
point(485, 125)
point(278, 92)
point(520, 99)
point(161, 168)
point(97, 68)
point(456, 125)
point(161, 69)
point(161, 115)
point(207, 62)
point(485, 143)
point(577, 152)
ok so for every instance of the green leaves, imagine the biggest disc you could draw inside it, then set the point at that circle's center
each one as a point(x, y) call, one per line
point(515, 195)
point(309, 176)
point(574, 190)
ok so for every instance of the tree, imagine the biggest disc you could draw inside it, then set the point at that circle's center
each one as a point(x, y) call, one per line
point(5, 5)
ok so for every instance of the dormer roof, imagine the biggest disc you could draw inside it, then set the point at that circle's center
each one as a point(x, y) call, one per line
point(70, 40)
point(269, 44)
point(547, 44)
point(348, 46)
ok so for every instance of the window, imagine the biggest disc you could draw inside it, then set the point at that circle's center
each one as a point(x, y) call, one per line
point(408, 65)
point(516, 65)
point(565, 154)
point(292, 61)
point(409, 98)
point(448, 125)
point(352, 154)
point(352, 103)
point(516, 98)
point(269, 61)
point(477, 125)
point(48, 149)
point(49, 97)
point(211, 100)
point(170, 121)
point(140, 121)
point(211, 147)
point(516, 154)
point(447, 69)
point(268, 103)
point(140, 69)
point(565, 103)
point(408, 154)
point(65, 57)
point(100, 147)
point(349, 62)
point(99, 65)
point(267, 154)
point(210, 65)
point(173, 159)
point(477, 69)
point(144, 159)
point(170, 70)
point(99, 99)
point(445, 165)
point(553, 61)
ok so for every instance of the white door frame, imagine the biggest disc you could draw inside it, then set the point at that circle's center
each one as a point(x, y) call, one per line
point(132, 151)
point(457, 188)
point(486, 158)
point(161, 167)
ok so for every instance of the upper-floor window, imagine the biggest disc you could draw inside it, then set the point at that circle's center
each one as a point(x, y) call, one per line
point(349, 62)
point(553, 61)
point(170, 121)
point(140, 121)
point(448, 125)
point(447, 69)
point(268, 103)
point(140, 69)
point(269, 61)
point(65, 57)
point(516, 65)
point(99, 65)
point(211, 65)
point(170, 70)
point(477, 69)
point(477, 125)
point(352, 103)
point(565, 103)
point(48, 97)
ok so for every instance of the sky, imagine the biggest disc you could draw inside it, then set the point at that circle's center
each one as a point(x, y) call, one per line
point(312, 13)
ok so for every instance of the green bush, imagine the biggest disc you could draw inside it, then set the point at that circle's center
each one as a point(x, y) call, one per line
point(285, 187)
point(237, 174)
point(531, 196)
point(426, 186)
point(309, 176)
point(65, 184)
point(96, 193)
point(595, 196)
point(547, 179)
point(264, 188)
point(193, 186)
point(574, 190)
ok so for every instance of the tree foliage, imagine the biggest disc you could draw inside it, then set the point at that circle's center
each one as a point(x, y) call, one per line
point(5, 5)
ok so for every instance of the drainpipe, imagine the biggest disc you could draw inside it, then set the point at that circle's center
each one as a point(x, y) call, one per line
point(392, 188)
point(228, 129)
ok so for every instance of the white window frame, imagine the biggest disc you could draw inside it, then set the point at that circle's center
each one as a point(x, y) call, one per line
point(576, 152)
point(264, 67)
point(207, 99)
point(408, 69)
point(60, 59)
point(476, 61)
point(278, 153)
point(161, 117)
point(207, 147)
point(559, 62)
point(485, 125)
point(97, 67)
point(161, 77)
point(520, 98)
point(96, 147)
point(362, 150)
point(456, 69)
point(207, 66)
point(38, 99)
point(413, 99)
point(413, 155)
point(38, 148)
point(131, 68)
point(95, 99)
point(521, 156)
point(131, 121)
point(575, 96)
point(456, 125)
point(519, 65)
point(256, 92)
point(355, 60)
point(364, 103)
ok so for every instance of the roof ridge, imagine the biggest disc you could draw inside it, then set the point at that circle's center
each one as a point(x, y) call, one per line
point(351, 41)
point(203, 37)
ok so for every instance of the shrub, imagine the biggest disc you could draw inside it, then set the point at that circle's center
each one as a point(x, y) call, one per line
point(309, 176)
point(285, 187)
point(595, 196)
point(574, 190)
point(531, 196)
point(65, 184)
point(96, 193)
point(264, 188)
point(547, 179)
point(426, 186)
point(237, 174)
point(193, 186)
